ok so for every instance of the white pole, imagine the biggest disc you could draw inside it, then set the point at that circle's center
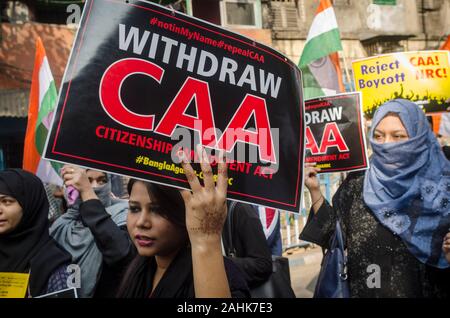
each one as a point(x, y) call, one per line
point(288, 231)
point(189, 8)
point(347, 74)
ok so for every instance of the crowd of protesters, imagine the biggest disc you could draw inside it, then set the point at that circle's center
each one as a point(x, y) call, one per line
point(163, 242)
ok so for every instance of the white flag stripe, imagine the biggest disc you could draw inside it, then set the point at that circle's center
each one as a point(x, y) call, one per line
point(47, 174)
point(45, 79)
point(323, 22)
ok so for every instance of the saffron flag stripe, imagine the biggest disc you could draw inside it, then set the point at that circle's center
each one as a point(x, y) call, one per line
point(43, 97)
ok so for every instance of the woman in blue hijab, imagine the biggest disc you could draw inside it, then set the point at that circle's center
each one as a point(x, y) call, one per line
point(395, 215)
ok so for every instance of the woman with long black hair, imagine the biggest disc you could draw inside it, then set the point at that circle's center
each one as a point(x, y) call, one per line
point(178, 238)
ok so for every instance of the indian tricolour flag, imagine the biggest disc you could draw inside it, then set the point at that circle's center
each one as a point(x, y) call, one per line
point(320, 61)
point(43, 97)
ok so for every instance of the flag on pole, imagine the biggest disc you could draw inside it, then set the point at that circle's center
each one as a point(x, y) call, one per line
point(319, 62)
point(446, 45)
point(43, 96)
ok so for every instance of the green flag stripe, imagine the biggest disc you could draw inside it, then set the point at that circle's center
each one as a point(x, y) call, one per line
point(311, 87)
point(48, 103)
point(321, 46)
point(41, 136)
point(56, 166)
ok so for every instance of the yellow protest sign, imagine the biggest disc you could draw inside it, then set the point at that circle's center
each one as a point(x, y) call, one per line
point(422, 77)
point(13, 285)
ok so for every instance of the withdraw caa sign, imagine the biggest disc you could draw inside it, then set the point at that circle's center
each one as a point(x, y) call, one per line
point(143, 83)
point(335, 138)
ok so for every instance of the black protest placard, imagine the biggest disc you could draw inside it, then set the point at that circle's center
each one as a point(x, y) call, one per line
point(139, 74)
point(335, 137)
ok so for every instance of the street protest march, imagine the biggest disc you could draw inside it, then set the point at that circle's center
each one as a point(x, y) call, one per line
point(335, 137)
point(113, 137)
point(421, 77)
point(144, 82)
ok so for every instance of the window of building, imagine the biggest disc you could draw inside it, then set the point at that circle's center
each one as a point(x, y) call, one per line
point(285, 15)
point(16, 12)
point(207, 10)
point(384, 44)
point(241, 13)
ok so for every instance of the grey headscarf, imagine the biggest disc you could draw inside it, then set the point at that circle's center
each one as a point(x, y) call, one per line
point(77, 239)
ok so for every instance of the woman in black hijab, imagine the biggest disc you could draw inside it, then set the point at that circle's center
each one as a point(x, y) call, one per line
point(25, 243)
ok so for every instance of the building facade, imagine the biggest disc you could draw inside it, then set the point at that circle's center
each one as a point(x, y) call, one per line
point(368, 27)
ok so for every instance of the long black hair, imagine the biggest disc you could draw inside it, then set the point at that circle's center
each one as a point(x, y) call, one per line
point(134, 282)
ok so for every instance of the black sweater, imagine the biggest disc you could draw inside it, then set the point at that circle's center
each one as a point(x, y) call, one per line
point(253, 255)
point(118, 252)
point(369, 243)
point(113, 242)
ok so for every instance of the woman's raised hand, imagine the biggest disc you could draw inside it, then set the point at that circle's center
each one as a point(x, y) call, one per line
point(206, 206)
